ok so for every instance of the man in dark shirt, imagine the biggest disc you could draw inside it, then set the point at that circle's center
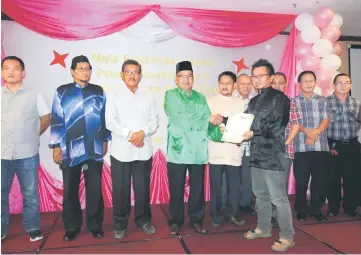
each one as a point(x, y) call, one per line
point(268, 162)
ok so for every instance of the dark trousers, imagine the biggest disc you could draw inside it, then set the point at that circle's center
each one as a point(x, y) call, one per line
point(310, 164)
point(72, 214)
point(233, 176)
point(345, 165)
point(122, 173)
point(176, 179)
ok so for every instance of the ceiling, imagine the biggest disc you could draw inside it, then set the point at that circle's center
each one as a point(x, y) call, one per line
point(350, 10)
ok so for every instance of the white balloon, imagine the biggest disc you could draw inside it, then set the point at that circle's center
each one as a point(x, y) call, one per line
point(337, 20)
point(322, 47)
point(303, 21)
point(318, 91)
point(310, 34)
point(331, 62)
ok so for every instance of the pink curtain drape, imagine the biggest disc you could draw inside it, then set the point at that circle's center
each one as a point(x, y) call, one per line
point(85, 19)
point(288, 67)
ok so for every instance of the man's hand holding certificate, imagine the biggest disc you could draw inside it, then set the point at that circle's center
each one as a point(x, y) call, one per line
point(238, 125)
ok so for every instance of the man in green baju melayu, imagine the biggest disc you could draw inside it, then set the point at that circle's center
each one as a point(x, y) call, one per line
point(188, 119)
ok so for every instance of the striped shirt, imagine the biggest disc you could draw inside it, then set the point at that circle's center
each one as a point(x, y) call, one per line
point(295, 118)
point(313, 112)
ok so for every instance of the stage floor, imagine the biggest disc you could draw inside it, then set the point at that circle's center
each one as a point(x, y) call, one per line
point(340, 234)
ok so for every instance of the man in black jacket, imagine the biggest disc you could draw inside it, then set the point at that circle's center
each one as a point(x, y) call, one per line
point(268, 162)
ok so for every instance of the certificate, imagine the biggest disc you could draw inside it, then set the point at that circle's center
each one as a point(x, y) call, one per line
point(237, 125)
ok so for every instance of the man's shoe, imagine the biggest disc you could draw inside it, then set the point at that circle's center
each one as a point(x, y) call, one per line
point(234, 221)
point(70, 235)
point(97, 233)
point(35, 235)
point(173, 230)
point(248, 210)
point(332, 214)
point(119, 234)
point(216, 223)
point(353, 214)
point(319, 217)
point(301, 216)
point(199, 229)
point(3, 237)
point(148, 229)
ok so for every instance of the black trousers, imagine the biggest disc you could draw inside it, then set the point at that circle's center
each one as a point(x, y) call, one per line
point(122, 173)
point(345, 165)
point(233, 179)
point(310, 164)
point(72, 214)
point(176, 180)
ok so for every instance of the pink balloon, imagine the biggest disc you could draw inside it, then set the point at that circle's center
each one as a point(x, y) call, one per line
point(336, 48)
point(331, 33)
point(310, 62)
point(303, 50)
point(324, 78)
point(323, 17)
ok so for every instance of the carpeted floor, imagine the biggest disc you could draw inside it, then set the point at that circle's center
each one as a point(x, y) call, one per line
point(338, 235)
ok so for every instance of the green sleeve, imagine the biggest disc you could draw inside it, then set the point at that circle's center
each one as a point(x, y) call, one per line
point(214, 133)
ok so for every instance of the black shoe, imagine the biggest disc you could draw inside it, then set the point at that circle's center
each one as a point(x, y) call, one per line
point(234, 221)
point(332, 214)
point(119, 234)
point(173, 230)
point(97, 233)
point(248, 210)
point(3, 237)
point(35, 235)
point(301, 216)
point(70, 235)
point(148, 229)
point(199, 229)
point(353, 214)
point(216, 223)
point(319, 217)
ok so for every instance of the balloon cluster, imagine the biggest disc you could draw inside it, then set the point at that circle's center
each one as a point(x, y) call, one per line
point(317, 48)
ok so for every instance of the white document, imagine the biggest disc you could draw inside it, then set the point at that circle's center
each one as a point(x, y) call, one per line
point(237, 125)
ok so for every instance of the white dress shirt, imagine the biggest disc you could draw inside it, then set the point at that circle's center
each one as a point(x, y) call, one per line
point(127, 112)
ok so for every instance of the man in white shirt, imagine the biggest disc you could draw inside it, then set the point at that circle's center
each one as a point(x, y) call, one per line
point(225, 157)
point(132, 117)
point(24, 117)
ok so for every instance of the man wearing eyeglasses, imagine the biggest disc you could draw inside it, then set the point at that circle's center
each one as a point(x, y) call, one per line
point(269, 177)
point(132, 117)
point(344, 148)
point(79, 141)
point(188, 119)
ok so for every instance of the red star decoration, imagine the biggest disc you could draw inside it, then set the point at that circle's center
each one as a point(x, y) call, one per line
point(59, 59)
point(240, 65)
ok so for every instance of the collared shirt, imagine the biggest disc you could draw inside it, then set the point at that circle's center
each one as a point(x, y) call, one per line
point(314, 111)
point(128, 112)
point(246, 145)
point(271, 109)
point(295, 118)
point(188, 119)
point(224, 153)
point(78, 123)
point(344, 124)
point(20, 123)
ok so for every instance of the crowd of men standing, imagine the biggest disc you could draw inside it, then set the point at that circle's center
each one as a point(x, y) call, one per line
point(317, 134)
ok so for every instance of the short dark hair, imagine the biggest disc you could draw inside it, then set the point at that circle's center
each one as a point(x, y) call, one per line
point(264, 62)
point(131, 62)
point(228, 73)
point(299, 78)
point(80, 59)
point(21, 62)
point(341, 75)
point(281, 74)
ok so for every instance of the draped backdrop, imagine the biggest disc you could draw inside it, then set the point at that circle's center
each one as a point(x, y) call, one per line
point(234, 40)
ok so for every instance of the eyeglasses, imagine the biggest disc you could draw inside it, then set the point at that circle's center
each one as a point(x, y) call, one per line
point(257, 77)
point(130, 73)
point(185, 77)
point(82, 70)
point(339, 83)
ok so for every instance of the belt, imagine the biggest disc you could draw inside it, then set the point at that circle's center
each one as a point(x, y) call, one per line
point(345, 141)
